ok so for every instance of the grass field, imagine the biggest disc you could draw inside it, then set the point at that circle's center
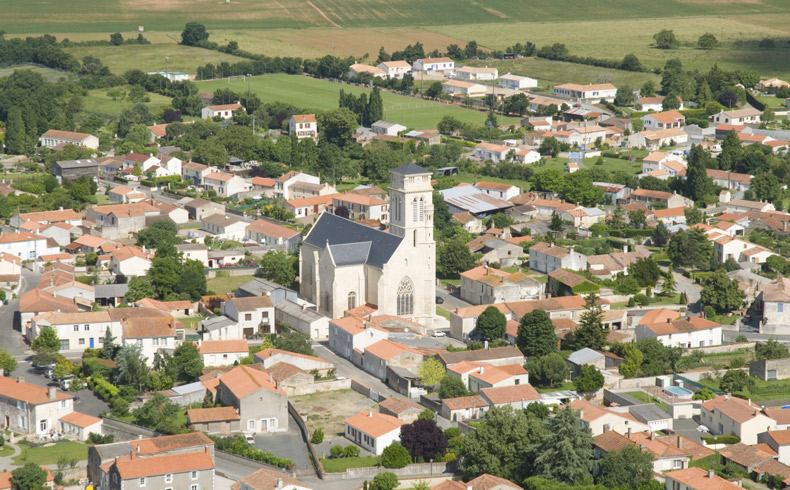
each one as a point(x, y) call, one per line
point(313, 94)
point(340, 465)
point(48, 73)
point(98, 102)
point(222, 285)
point(46, 455)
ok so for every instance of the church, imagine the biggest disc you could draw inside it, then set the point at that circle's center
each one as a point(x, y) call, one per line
point(343, 264)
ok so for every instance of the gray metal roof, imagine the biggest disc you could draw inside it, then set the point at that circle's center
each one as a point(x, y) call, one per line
point(110, 290)
point(648, 413)
point(292, 309)
point(350, 253)
point(584, 356)
point(217, 322)
point(189, 388)
point(410, 169)
point(333, 230)
point(470, 198)
point(88, 162)
point(112, 451)
point(260, 287)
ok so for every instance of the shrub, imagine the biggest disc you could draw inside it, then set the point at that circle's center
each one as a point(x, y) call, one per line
point(449, 457)
point(238, 446)
point(351, 451)
point(722, 439)
point(95, 438)
point(395, 456)
point(103, 388)
point(641, 299)
point(336, 451)
point(318, 436)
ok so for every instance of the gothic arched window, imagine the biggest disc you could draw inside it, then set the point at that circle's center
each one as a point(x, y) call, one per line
point(422, 209)
point(414, 210)
point(406, 297)
point(352, 300)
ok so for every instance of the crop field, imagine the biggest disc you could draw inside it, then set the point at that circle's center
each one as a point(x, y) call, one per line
point(313, 94)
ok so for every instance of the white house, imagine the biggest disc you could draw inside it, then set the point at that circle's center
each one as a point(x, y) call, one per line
point(31, 409)
point(445, 65)
point(358, 69)
point(54, 137)
point(253, 314)
point(600, 419)
point(387, 128)
point(684, 332)
point(225, 185)
point(655, 104)
point(27, 246)
point(351, 333)
point(460, 88)
point(130, 261)
point(739, 117)
point(775, 301)
point(492, 151)
point(727, 414)
point(663, 120)
point(373, 431)
point(694, 478)
point(527, 156)
point(152, 334)
point(223, 352)
point(80, 425)
point(591, 92)
point(225, 227)
point(303, 126)
point(517, 82)
point(395, 69)
point(225, 111)
point(476, 73)
point(500, 191)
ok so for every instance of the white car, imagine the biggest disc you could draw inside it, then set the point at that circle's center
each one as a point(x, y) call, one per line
point(250, 440)
point(702, 428)
point(439, 333)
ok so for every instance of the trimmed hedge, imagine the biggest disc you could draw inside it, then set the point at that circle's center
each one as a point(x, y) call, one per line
point(103, 388)
point(238, 446)
point(722, 439)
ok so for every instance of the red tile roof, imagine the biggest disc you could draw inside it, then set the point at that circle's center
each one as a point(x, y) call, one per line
point(374, 424)
point(162, 465)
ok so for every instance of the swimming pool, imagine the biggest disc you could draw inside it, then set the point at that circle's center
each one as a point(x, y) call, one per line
point(678, 391)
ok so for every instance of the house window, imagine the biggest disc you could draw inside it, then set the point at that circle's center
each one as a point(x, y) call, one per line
point(248, 317)
point(142, 482)
point(64, 345)
point(76, 328)
point(780, 307)
point(63, 404)
point(352, 300)
point(42, 425)
point(85, 328)
point(676, 464)
point(194, 487)
point(82, 341)
point(251, 424)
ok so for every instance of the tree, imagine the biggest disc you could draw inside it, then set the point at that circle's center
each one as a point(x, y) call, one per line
point(588, 380)
point(698, 184)
point(637, 218)
point(434, 90)
point(337, 126)
point(375, 107)
point(46, 346)
point(690, 249)
point(423, 439)
point(548, 370)
point(193, 34)
point(29, 477)
point(431, 372)
point(160, 414)
point(648, 89)
point(296, 342)
point(628, 468)
point(736, 380)
point(132, 368)
point(17, 141)
point(108, 346)
point(7, 362)
point(660, 235)
point(395, 456)
point(591, 332)
point(491, 324)
point(452, 387)
point(193, 279)
point(624, 96)
point(470, 51)
point(632, 360)
point(502, 445)
point(536, 336)
point(549, 147)
point(384, 481)
point(766, 187)
point(722, 293)
point(556, 222)
point(707, 41)
point(278, 267)
point(645, 271)
point(453, 257)
point(186, 359)
point(769, 350)
point(158, 234)
point(631, 63)
point(139, 287)
point(565, 453)
point(665, 39)
point(693, 215)
point(704, 394)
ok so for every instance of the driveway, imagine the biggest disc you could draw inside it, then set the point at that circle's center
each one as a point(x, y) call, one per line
point(286, 445)
point(86, 401)
point(692, 290)
point(451, 301)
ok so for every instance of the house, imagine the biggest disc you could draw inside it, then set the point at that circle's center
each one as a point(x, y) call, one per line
point(727, 414)
point(655, 104)
point(27, 246)
point(223, 352)
point(565, 283)
point(428, 137)
point(261, 287)
point(264, 479)
point(546, 257)
point(31, 409)
point(303, 126)
point(74, 169)
point(588, 93)
point(584, 136)
point(225, 185)
point(527, 156)
point(124, 195)
point(482, 482)
point(496, 356)
point(486, 285)
point(302, 319)
point(225, 227)
point(198, 209)
point(476, 73)
point(499, 250)
point(650, 414)
point(500, 191)
point(373, 431)
point(272, 235)
point(299, 185)
point(444, 66)
point(358, 69)
point(59, 232)
point(469, 198)
point(178, 309)
point(265, 185)
point(193, 251)
point(362, 207)
point(119, 220)
point(262, 406)
point(668, 199)
point(469, 222)
point(145, 162)
point(672, 163)
point(79, 425)
point(67, 216)
point(387, 128)
point(779, 441)
point(471, 407)
point(168, 165)
point(385, 353)
point(37, 301)
point(663, 120)
point(194, 172)
point(190, 470)
point(684, 332)
point(394, 69)
point(517, 82)
point(401, 408)
point(503, 385)
point(221, 327)
point(76, 331)
point(252, 314)
point(351, 335)
point(225, 111)
point(130, 261)
point(10, 265)
point(694, 478)
point(774, 299)
point(271, 357)
point(54, 137)
point(461, 89)
point(153, 330)
point(743, 117)
point(493, 152)
point(217, 420)
point(600, 419)
point(658, 138)
point(730, 180)
point(176, 214)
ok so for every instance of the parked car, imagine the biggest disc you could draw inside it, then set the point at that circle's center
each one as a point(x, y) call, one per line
point(702, 428)
point(250, 440)
point(439, 300)
point(439, 333)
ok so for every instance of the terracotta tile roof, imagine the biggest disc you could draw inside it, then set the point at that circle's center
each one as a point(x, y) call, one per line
point(138, 328)
point(465, 367)
point(566, 277)
point(252, 303)
point(224, 107)
point(586, 88)
point(244, 380)
point(90, 240)
point(19, 237)
point(667, 117)
point(448, 485)
point(124, 210)
point(550, 250)
point(734, 408)
point(304, 118)
point(698, 479)
point(263, 182)
point(216, 414)
point(486, 481)
point(612, 441)
point(5, 478)
point(669, 212)
point(387, 349)
point(773, 467)
point(510, 394)
point(659, 315)
point(496, 374)
point(658, 447)
point(697, 451)
point(80, 419)
point(744, 455)
point(464, 217)
point(311, 201)
point(51, 216)
point(484, 184)
point(37, 300)
point(282, 371)
point(166, 306)
point(164, 464)
point(65, 135)
point(30, 393)
point(652, 194)
point(162, 444)
point(355, 198)
point(264, 479)
point(464, 402)
point(399, 405)
point(781, 437)
point(271, 352)
point(270, 229)
point(223, 346)
point(353, 324)
point(691, 324)
point(375, 424)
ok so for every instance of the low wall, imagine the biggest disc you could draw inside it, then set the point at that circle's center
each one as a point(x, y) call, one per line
point(717, 349)
point(637, 382)
point(223, 462)
point(306, 437)
point(124, 431)
point(432, 404)
point(419, 469)
point(318, 387)
point(621, 399)
point(232, 271)
point(367, 391)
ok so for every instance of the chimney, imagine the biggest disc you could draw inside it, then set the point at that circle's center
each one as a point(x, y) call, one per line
point(133, 455)
point(481, 369)
point(370, 413)
point(710, 473)
point(271, 378)
point(279, 485)
point(680, 442)
point(304, 306)
point(606, 428)
point(2, 372)
point(52, 392)
point(138, 447)
point(625, 249)
point(629, 433)
point(20, 379)
point(652, 435)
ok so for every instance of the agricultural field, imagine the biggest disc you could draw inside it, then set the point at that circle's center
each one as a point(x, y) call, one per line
point(99, 102)
point(48, 73)
point(313, 94)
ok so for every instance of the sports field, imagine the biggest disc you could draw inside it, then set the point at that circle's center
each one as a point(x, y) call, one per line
point(319, 95)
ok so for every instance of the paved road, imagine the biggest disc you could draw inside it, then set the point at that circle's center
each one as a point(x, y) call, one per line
point(451, 301)
point(11, 336)
point(692, 290)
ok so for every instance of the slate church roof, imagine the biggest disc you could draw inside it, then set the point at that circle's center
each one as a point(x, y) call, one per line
point(351, 243)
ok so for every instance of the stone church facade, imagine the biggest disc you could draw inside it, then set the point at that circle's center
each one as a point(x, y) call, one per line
point(343, 264)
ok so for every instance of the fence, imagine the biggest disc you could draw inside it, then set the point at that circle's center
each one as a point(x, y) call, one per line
point(692, 385)
point(412, 470)
point(124, 431)
point(367, 391)
point(319, 468)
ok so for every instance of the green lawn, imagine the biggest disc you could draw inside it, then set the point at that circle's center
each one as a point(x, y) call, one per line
point(763, 390)
point(565, 385)
point(442, 312)
point(312, 94)
point(192, 322)
point(339, 465)
point(222, 285)
point(645, 398)
point(6, 450)
point(48, 73)
point(98, 102)
point(47, 455)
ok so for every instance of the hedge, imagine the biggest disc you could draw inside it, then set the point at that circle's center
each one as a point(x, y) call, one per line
point(722, 439)
point(92, 367)
point(103, 388)
point(238, 446)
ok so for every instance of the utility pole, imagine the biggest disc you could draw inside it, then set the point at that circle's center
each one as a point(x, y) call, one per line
point(166, 67)
point(248, 87)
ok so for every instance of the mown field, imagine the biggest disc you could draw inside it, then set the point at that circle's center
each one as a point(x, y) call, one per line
point(98, 102)
point(27, 16)
point(313, 94)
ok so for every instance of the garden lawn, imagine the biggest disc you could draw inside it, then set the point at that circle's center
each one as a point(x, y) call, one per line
point(442, 312)
point(312, 94)
point(222, 285)
point(763, 390)
point(47, 455)
point(340, 465)
point(565, 385)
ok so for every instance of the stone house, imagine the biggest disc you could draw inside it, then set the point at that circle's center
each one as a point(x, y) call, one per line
point(253, 315)
point(217, 420)
point(386, 353)
point(261, 404)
